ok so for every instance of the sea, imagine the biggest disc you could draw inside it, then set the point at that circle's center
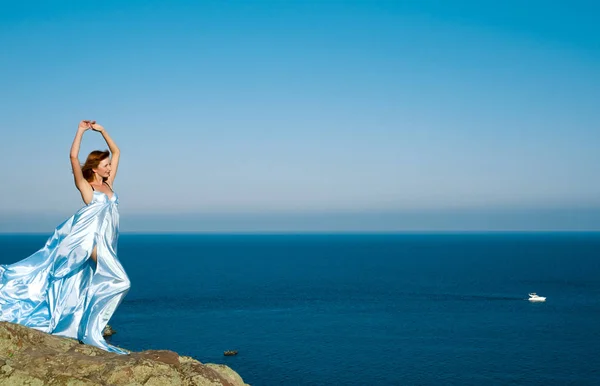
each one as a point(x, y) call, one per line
point(364, 309)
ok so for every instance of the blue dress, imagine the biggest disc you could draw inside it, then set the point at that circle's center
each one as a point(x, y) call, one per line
point(59, 289)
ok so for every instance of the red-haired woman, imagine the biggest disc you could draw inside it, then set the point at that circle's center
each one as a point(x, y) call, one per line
point(73, 285)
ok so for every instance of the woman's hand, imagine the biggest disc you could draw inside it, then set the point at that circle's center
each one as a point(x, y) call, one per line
point(96, 126)
point(85, 125)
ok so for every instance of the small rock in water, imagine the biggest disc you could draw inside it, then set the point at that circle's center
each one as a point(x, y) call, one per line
point(230, 353)
point(108, 331)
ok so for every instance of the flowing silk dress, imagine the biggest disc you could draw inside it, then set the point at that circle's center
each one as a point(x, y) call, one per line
point(60, 289)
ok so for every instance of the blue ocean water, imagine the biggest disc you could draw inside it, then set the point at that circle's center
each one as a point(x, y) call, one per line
point(388, 309)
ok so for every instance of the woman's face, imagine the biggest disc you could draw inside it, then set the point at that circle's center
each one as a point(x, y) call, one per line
point(103, 168)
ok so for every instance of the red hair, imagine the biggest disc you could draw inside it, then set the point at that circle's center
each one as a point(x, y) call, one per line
point(92, 162)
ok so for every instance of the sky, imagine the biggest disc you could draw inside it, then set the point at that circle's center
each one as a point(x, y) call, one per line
point(256, 116)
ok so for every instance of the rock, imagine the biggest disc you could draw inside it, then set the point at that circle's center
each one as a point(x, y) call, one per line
point(108, 331)
point(229, 353)
point(31, 357)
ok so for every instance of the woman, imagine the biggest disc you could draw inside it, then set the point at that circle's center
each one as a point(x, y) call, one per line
point(73, 285)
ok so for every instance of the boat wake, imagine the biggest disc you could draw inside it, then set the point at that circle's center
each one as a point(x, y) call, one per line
point(465, 297)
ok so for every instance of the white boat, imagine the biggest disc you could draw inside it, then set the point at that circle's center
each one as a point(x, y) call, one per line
point(533, 297)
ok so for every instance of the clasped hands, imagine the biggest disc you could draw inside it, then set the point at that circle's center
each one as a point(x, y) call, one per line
point(86, 125)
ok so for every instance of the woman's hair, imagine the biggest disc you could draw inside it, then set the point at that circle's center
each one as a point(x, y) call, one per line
point(92, 162)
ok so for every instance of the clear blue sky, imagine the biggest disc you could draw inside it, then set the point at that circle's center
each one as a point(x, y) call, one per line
point(307, 115)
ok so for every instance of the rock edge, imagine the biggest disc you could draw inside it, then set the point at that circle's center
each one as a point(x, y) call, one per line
point(31, 357)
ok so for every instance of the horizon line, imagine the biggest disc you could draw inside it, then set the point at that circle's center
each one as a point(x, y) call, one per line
point(333, 232)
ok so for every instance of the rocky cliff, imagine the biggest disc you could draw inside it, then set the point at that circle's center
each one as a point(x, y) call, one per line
point(31, 357)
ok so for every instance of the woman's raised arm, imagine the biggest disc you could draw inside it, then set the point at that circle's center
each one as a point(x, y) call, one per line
point(82, 185)
point(114, 149)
